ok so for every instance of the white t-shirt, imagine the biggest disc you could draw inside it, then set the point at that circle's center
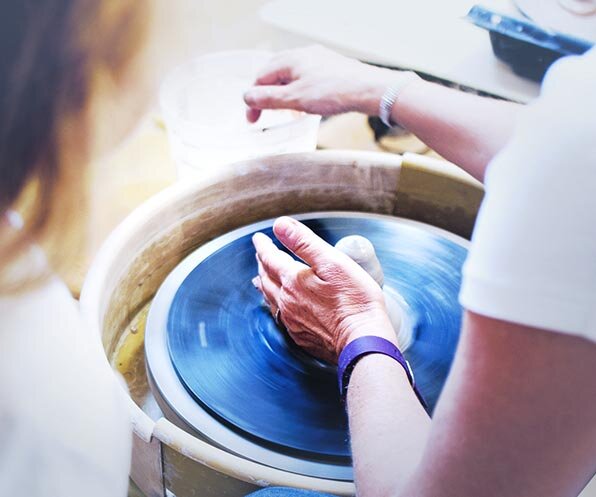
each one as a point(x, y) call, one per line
point(533, 256)
point(64, 426)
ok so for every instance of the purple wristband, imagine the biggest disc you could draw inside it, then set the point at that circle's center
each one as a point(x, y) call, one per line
point(366, 345)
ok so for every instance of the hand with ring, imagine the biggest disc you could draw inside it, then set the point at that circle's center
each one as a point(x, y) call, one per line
point(324, 302)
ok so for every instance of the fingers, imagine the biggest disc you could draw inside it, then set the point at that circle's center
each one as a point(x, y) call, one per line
point(277, 84)
point(275, 263)
point(270, 290)
point(252, 115)
point(283, 68)
point(299, 239)
point(270, 97)
point(276, 73)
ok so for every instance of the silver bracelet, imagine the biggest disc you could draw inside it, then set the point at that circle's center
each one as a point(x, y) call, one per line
point(391, 95)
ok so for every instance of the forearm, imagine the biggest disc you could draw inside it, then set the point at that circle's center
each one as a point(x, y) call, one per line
point(516, 416)
point(388, 426)
point(466, 129)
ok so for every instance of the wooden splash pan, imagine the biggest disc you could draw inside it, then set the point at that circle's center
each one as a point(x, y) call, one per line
point(143, 250)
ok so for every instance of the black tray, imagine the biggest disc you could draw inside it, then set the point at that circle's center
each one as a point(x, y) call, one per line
point(527, 48)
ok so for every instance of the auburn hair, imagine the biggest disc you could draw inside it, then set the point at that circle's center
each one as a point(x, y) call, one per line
point(51, 52)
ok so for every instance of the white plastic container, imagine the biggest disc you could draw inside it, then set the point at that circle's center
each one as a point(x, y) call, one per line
point(205, 117)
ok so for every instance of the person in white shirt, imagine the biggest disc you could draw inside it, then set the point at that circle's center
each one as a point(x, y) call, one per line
point(517, 416)
point(70, 89)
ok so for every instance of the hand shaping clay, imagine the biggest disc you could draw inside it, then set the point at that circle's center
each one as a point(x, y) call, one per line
point(362, 251)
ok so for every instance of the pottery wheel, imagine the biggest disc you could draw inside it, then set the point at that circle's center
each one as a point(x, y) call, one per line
point(227, 372)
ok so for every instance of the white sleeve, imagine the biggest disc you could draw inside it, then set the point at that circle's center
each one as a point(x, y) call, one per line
point(533, 254)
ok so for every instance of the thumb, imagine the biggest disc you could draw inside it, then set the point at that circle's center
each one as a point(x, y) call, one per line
point(268, 97)
point(303, 242)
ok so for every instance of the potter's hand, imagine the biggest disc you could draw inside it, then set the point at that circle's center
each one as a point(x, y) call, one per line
point(325, 302)
point(318, 81)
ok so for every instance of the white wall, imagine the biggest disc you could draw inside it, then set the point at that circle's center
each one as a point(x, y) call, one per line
point(212, 25)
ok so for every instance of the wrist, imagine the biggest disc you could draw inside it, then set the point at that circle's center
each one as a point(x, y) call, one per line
point(364, 346)
point(375, 85)
point(375, 323)
point(393, 93)
point(373, 82)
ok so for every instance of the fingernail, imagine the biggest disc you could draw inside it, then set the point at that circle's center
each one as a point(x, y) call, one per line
point(252, 115)
point(250, 97)
point(255, 282)
point(263, 237)
point(284, 226)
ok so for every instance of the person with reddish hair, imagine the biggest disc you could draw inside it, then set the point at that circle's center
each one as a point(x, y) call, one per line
point(71, 87)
